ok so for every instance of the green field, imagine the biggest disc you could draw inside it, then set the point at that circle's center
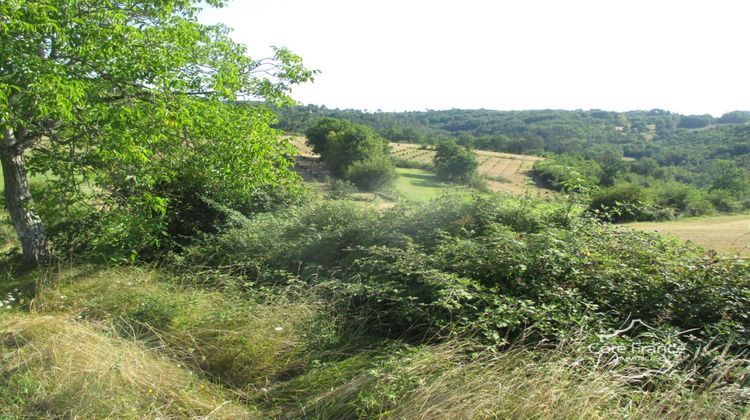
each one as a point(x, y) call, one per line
point(418, 184)
point(506, 172)
point(723, 233)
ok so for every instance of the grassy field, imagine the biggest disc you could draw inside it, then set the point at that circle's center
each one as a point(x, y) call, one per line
point(417, 184)
point(505, 172)
point(723, 233)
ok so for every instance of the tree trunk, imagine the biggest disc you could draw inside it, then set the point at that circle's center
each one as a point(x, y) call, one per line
point(29, 226)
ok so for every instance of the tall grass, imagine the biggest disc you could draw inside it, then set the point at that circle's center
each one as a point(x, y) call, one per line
point(54, 367)
point(455, 380)
point(522, 383)
point(141, 343)
point(240, 341)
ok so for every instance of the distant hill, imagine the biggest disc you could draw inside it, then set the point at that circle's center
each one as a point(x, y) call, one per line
point(686, 142)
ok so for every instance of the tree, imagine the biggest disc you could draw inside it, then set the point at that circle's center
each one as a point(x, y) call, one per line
point(612, 165)
point(647, 167)
point(726, 175)
point(340, 143)
point(317, 135)
point(696, 121)
point(128, 99)
point(455, 163)
point(735, 117)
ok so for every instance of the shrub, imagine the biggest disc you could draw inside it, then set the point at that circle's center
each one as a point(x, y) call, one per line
point(488, 266)
point(372, 174)
point(685, 200)
point(569, 172)
point(724, 201)
point(341, 188)
point(478, 183)
point(138, 229)
point(622, 203)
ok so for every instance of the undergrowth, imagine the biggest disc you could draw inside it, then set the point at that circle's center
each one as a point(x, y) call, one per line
point(470, 307)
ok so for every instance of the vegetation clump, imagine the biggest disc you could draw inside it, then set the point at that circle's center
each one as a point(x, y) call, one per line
point(499, 268)
point(454, 163)
point(353, 152)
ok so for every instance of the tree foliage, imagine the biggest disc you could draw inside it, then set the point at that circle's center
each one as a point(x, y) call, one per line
point(725, 175)
point(352, 151)
point(455, 163)
point(130, 108)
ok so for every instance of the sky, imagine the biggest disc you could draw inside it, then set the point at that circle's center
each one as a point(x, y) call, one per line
point(684, 56)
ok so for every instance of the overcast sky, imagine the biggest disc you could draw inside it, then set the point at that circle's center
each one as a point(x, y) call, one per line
point(685, 56)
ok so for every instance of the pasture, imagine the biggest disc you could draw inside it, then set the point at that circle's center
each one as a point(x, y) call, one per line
point(722, 233)
point(505, 172)
point(418, 184)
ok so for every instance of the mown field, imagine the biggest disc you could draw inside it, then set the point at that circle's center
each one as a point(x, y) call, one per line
point(723, 233)
point(418, 184)
point(504, 172)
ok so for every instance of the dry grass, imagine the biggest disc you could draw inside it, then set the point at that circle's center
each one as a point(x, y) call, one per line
point(441, 382)
point(55, 367)
point(134, 343)
point(723, 233)
point(522, 384)
point(242, 343)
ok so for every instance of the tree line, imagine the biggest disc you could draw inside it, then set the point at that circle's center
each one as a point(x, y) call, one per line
point(663, 163)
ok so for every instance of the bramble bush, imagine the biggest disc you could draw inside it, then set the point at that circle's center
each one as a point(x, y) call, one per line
point(499, 268)
point(624, 203)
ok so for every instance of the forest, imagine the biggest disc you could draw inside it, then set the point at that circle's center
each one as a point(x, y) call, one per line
point(164, 257)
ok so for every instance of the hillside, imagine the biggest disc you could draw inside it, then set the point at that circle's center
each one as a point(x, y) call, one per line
point(633, 166)
point(169, 253)
point(671, 139)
